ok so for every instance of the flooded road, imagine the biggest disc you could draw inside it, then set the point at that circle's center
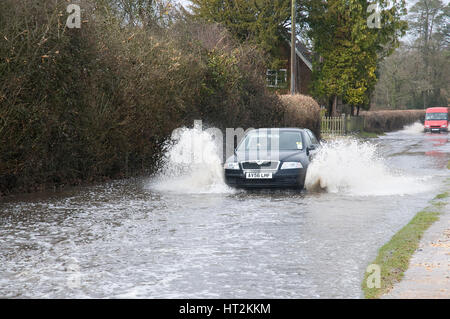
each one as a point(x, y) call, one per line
point(192, 237)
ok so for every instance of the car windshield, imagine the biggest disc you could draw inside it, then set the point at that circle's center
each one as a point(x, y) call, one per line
point(436, 116)
point(271, 140)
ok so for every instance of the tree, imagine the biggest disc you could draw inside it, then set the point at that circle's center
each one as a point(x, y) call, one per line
point(263, 22)
point(430, 24)
point(348, 50)
point(418, 75)
point(142, 13)
point(398, 80)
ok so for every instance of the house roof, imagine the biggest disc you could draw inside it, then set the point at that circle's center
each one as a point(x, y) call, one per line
point(302, 52)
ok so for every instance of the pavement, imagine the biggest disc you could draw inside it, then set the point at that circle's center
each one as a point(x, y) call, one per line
point(428, 275)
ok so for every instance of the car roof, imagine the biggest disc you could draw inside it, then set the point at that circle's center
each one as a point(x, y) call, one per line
point(279, 128)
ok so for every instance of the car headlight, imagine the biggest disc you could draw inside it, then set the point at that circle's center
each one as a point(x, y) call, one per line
point(291, 165)
point(231, 165)
point(444, 125)
point(427, 126)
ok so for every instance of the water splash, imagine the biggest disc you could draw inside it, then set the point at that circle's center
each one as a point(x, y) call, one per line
point(355, 168)
point(192, 164)
point(413, 129)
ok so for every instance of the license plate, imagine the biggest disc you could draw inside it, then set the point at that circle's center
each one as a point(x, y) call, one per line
point(258, 175)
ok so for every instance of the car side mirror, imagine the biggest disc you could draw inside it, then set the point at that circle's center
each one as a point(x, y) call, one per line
point(310, 148)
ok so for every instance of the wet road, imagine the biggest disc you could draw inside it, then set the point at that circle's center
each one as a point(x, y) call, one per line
point(187, 239)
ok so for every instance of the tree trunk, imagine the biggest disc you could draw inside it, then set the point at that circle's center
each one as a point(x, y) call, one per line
point(334, 107)
point(357, 111)
point(352, 110)
point(425, 99)
point(330, 107)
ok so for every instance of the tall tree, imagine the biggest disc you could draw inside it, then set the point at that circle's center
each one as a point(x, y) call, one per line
point(418, 74)
point(348, 49)
point(261, 21)
point(137, 12)
point(399, 79)
point(429, 21)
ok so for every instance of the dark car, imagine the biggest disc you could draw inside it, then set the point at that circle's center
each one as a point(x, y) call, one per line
point(275, 157)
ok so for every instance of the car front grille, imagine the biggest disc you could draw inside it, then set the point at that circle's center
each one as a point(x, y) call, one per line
point(265, 165)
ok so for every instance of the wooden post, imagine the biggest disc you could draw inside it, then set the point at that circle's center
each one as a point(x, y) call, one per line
point(293, 43)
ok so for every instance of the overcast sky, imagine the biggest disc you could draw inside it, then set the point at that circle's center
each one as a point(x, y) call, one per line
point(183, 2)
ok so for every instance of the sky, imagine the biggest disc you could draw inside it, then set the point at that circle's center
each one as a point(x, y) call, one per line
point(187, 2)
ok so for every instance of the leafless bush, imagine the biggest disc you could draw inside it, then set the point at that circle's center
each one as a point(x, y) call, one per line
point(385, 121)
point(301, 111)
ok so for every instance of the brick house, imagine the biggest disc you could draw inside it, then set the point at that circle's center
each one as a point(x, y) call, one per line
point(279, 80)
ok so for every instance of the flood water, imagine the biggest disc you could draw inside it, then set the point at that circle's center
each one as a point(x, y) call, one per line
point(190, 236)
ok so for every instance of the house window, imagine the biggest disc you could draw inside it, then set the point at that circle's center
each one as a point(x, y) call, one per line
point(277, 78)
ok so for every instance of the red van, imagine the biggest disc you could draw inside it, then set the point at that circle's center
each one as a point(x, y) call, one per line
point(436, 119)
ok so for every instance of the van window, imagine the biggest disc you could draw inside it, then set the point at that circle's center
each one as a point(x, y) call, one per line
point(436, 116)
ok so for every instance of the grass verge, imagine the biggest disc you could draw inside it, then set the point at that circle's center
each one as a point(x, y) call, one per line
point(443, 195)
point(393, 258)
